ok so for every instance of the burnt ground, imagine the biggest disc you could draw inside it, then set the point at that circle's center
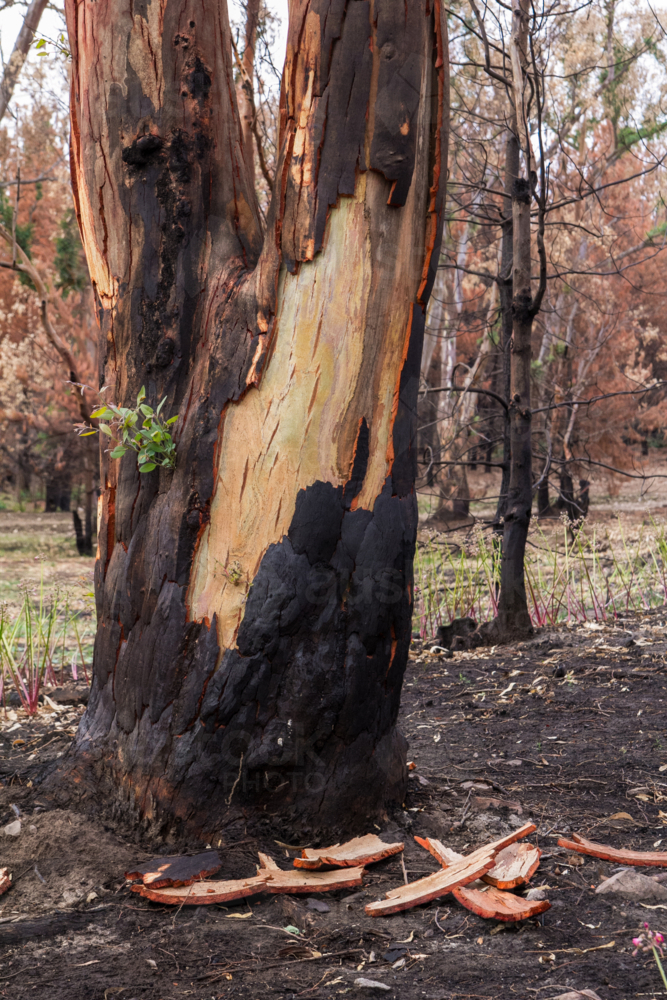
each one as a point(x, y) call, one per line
point(567, 729)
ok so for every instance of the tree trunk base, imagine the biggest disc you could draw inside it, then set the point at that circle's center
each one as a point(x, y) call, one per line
point(302, 803)
point(84, 538)
point(493, 633)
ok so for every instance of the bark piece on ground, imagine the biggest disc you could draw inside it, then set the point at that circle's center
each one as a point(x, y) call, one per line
point(493, 904)
point(359, 851)
point(515, 865)
point(200, 893)
point(307, 881)
point(634, 886)
point(176, 871)
point(606, 853)
point(266, 862)
point(433, 886)
point(446, 856)
point(5, 880)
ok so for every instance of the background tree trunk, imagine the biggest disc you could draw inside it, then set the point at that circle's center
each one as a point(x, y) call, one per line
point(513, 618)
point(20, 52)
point(512, 167)
point(245, 88)
point(254, 605)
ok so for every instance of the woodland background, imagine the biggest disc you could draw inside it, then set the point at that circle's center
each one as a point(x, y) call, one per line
point(598, 132)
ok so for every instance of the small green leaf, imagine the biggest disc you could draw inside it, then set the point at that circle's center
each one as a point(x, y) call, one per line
point(142, 395)
point(118, 451)
point(86, 434)
point(100, 412)
point(148, 467)
point(41, 44)
point(146, 410)
point(172, 420)
point(106, 430)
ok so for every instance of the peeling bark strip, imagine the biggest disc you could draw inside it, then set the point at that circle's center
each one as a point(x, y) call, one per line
point(621, 856)
point(492, 904)
point(514, 865)
point(176, 871)
point(5, 880)
point(360, 851)
point(254, 605)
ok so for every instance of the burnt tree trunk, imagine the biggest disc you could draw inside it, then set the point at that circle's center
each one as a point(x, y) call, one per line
point(254, 604)
point(543, 502)
point(512, 154)
point(513, 619)
point(566, 501)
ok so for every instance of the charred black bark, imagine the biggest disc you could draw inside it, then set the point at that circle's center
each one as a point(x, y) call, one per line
point(505, 294)
point(292, 717)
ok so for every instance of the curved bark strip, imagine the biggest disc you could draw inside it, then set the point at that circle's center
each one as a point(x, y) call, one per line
point(255, 605)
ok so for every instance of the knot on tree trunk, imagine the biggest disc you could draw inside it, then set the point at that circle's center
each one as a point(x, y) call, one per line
point(521, 190)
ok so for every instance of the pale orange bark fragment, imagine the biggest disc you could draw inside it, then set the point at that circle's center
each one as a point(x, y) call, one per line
point(582, 846)
point(515, 865)
point(360, 851)
point(300, 881)
point(5, 880)
point(433, 886)
point(201, 893)
point(496, 905)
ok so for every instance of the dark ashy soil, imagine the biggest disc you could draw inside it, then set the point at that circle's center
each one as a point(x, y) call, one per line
point(567, 730)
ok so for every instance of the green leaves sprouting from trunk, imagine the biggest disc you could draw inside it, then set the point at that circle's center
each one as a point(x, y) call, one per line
point(141, 429)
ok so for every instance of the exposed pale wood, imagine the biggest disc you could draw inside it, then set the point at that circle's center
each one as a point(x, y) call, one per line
point(511, 838)
point(359, 851)
point(496, 905)
point(323, 377)
point(176, 871)
point(266, 862)
point(307, 881)
point(433, 886)
point(514, 863)
point(5, 880)
point(656, 859)
point(200, 893)
point(514, 866)
point(446, 856)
